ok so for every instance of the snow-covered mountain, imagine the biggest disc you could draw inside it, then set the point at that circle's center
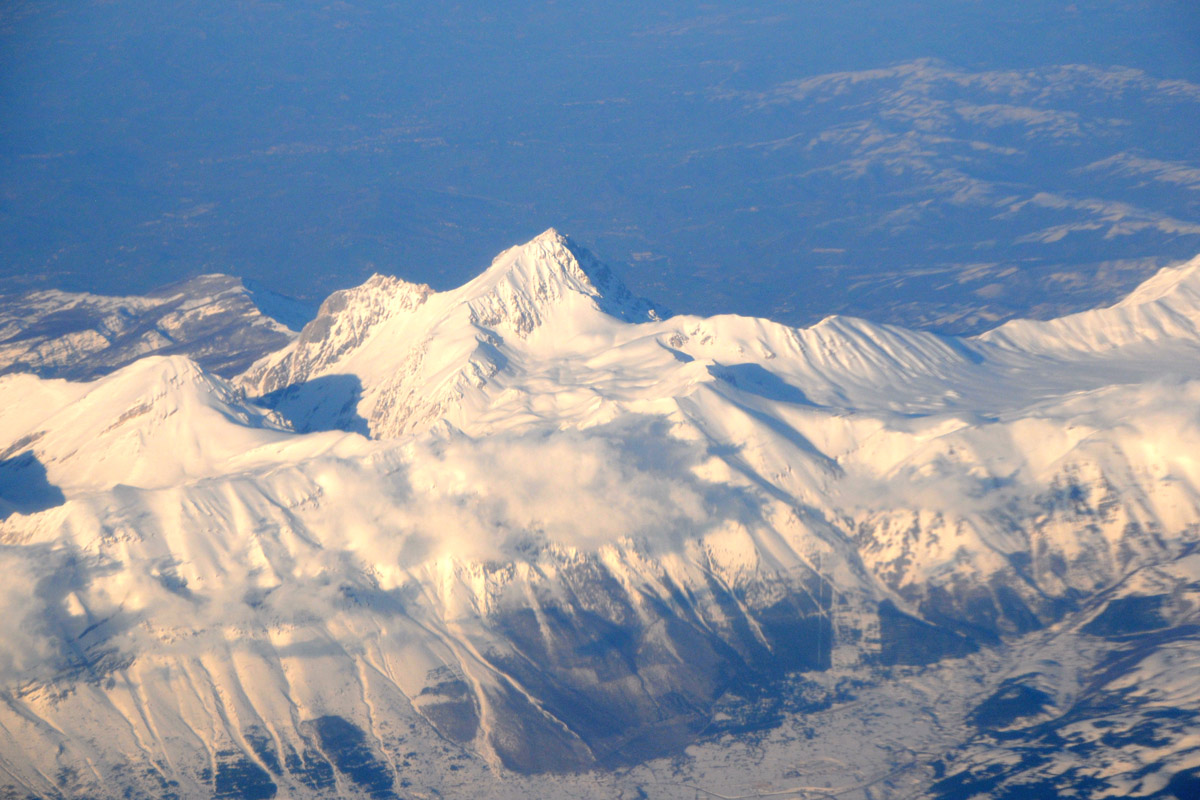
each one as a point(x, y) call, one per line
point(221, 322)
point(422, 356)
point(535, 525)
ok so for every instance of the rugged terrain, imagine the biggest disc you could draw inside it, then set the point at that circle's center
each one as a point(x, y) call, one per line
point(220, 322)
point(537, 533)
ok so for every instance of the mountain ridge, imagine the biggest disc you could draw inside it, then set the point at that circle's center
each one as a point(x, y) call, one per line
point(1165, 306)
point(581, 542)
point(221, 321)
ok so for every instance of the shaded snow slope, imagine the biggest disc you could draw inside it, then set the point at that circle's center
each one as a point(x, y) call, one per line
point(582, 535)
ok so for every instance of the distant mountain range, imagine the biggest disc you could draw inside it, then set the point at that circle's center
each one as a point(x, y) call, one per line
point(220, 322)
point(927, 193)
point(535, 536)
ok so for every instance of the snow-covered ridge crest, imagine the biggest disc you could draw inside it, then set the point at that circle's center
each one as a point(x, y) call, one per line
point(406, 358)
point(161, 421)
point(569, 537)
point(345, 320)
point(409, 356)
point(523, 282)
point(1164, 307)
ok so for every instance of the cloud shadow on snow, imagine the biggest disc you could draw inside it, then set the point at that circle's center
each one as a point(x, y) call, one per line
point(48, 634)
point(24, 486)
point(755, 379)
point(327, 403)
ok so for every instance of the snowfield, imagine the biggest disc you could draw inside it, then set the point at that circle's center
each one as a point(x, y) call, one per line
point(536, 535)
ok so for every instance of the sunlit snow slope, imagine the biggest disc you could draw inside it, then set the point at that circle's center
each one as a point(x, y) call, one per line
point(534, 524)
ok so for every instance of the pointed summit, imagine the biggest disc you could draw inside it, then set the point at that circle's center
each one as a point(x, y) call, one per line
point(391, 357)
point(552, 235)
point(548, 259)
point(524, 281)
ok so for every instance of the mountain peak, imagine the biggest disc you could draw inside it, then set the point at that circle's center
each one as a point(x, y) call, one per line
point(549, 255)
point(545, 271)
point(160, 421)
point(550, 235)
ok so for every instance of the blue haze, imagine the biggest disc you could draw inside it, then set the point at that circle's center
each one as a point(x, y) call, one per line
point(307, 144)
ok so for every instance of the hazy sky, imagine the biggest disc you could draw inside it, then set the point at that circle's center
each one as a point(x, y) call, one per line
point(308, 144)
